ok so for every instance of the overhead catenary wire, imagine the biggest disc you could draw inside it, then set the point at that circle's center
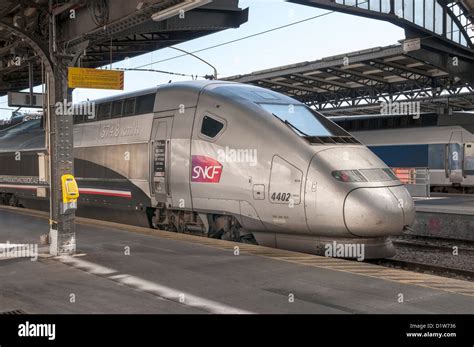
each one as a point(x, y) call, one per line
point(240, 39)
point(268, 31)
point(159, 71)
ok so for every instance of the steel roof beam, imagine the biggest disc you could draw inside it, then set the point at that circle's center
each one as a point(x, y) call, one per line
point(323, 81)
point(291, 86)
point(402, 68)
point(357, 74)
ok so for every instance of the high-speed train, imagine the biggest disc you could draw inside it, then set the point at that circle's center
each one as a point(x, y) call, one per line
point(220, 159)
point(442, 143)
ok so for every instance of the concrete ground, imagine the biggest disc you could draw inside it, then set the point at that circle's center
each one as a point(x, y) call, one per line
point(119, 271)
point(446, 203)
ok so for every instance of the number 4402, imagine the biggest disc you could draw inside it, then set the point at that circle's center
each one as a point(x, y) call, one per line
point(280, 197)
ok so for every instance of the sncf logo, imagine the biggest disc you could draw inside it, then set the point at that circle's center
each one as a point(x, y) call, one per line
point(206, 170)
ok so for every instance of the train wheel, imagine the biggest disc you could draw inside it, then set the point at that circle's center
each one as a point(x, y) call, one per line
point(248, 239)
point(13, 201)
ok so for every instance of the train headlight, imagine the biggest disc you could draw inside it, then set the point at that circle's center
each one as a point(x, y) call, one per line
point(349, 176)
point(365, 175)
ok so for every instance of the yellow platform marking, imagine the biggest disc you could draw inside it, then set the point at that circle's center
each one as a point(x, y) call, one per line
point(358, 268)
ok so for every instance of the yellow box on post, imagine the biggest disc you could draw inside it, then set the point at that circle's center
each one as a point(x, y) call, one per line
point(70, 189)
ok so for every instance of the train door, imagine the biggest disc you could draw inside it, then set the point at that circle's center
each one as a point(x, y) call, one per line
point(468, 163)
point(180, 152)
point(160, 159)
point(454, 158)
point(310, 196)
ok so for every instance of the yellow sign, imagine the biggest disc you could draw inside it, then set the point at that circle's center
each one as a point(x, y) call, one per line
point(92, 78)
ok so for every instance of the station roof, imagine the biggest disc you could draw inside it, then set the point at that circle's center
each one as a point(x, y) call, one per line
point(469, 4)
point(106, 31)
point(356, 83)
point(446, 20)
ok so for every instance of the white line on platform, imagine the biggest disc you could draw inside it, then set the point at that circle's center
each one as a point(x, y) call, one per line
point(91, 268)
point(152, 287)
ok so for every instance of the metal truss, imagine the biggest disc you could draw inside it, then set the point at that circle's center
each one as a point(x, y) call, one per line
point(126, 33)
point(447, 20)
point(357, 83)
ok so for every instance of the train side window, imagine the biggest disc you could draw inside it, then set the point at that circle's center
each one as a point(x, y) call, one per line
point(352, 125)
point(210, 127)
point(128, 107)
point(365, 124)
point(117, 108)
point(90, 118)
point(145, 103)
point(374, 123)
point(416, 121)
point(104, 111)
point(404, 121)
point(396, 122)
point(78, 118)
point(390, 122)
point(429, 120)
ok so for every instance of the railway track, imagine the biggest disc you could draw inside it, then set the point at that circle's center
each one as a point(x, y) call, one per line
point(435, 243)
point(421, 267)
point(431, 254)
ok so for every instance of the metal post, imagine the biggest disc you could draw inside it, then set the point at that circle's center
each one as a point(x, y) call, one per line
point(62, 227)
point(30, 81)
point(59, 138)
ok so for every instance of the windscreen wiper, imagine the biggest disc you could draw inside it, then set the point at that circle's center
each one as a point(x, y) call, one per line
point(290, 125)
point(298, 130)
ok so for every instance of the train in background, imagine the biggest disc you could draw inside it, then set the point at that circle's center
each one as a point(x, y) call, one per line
point(18, 117)
point(223, 160)
point(442, 143)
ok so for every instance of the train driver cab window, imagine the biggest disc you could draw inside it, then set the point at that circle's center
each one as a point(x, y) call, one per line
point(211, 127)
point(303, 120)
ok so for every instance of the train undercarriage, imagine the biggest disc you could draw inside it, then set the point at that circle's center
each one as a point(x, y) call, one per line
point(225, 227)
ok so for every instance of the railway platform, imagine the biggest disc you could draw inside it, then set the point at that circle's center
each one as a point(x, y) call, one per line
point(446, 203)
point(448, 216)
point(126, 269)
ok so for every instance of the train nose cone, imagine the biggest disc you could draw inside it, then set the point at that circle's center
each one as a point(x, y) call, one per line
point(381, 211)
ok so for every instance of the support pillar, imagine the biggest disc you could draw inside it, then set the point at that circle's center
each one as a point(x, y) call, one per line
point(62, 234)
point(61, 151)
point(59, 140)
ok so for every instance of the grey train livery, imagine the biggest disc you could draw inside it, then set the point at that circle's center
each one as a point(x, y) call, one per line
point(222, 160)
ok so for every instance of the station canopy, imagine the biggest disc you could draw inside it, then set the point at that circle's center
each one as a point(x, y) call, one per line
point(447, 20)
point(357, 83)
point(105, 31)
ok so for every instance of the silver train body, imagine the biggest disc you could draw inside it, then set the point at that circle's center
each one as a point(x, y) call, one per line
point(442, 143)
point(225, 160)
